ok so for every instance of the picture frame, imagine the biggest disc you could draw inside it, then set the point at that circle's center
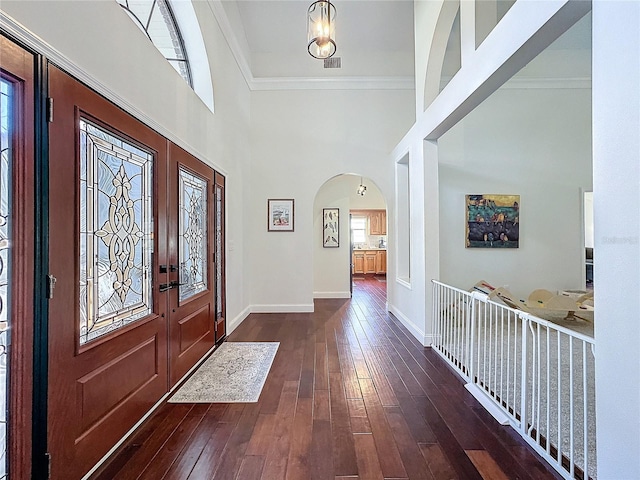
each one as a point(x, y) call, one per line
point(331, 227)
point(280, 215)
point(492, 221)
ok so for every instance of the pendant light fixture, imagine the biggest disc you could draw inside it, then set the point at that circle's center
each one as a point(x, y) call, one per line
point(321, 29)
point(362, 189)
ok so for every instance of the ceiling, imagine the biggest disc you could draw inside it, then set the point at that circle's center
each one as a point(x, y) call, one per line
point(374, 40)
point(272, 37)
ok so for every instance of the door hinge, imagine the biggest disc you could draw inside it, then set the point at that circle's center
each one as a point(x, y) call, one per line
point(51, 284)
point(49, 109)
point(48, 455)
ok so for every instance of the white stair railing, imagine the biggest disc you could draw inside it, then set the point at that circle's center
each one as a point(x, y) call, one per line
point(538, 374)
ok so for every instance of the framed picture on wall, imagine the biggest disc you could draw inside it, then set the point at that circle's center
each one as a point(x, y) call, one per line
point(492, 221)
point(330, 227)
point(280, 215)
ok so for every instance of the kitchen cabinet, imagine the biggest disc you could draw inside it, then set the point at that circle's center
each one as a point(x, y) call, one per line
point(358, 261)
point(377, 222)
point(369, 261)
point(381, 261)
point(370, 257)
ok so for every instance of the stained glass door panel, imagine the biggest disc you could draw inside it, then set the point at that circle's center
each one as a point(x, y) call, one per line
point(191, 297)
point(192, 234)
point(116, 232)
point(6, 100)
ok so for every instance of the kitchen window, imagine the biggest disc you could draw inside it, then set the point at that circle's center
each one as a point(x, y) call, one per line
point(358, 229)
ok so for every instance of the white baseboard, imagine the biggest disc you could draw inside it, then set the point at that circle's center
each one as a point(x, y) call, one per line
point(233, 324)
point(488, 404)
point(428, 340)
point(412, 327)
point(331, 294)
point(303, 308)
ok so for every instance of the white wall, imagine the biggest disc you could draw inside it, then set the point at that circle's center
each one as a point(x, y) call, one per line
point(299, 140)
point(99, 43)
point(525, 31)
point(331, 265)
point(616, 189)
point(588, 219)
point(535, 143)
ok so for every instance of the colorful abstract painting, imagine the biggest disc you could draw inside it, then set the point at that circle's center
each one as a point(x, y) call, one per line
point(492, 221)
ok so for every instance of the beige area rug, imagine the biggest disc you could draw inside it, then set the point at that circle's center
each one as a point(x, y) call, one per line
point(234, 373)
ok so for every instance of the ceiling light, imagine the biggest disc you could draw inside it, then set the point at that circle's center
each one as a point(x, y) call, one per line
point(321, 31)
point(361, 189)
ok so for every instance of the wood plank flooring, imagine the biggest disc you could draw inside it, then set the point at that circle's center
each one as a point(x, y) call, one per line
point(351, 395)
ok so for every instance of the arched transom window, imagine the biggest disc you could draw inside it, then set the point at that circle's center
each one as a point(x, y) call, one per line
point(157, 20)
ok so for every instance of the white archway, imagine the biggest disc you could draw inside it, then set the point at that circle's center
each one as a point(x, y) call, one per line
point(331, 278)
point(438, 50)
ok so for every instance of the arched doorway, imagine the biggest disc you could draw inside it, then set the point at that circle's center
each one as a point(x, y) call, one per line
point(360, 252)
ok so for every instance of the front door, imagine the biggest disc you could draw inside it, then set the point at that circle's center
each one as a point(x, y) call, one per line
point(133, 252)
point(191, 257)
point(108, 315)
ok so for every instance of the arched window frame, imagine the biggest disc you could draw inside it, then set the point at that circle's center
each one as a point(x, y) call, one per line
point(191, 60)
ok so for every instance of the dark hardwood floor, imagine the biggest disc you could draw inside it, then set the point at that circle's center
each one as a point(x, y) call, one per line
point(351, 395)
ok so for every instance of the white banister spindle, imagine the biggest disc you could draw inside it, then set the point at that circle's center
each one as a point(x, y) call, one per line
point(548, 422)
point(585, 406)
point(571, 410)
point(524, 379)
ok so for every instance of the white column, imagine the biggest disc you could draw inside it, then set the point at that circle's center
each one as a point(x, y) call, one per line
point(431, 208)
point(616, 194)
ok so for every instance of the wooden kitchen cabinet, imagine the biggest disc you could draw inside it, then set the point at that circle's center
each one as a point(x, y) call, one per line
point(381, 261)
point(358, 262)
point(370, 260)
point(377, 222)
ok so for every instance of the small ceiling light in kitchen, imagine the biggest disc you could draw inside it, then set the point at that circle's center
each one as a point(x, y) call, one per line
point(362, 189)
point(321, 31)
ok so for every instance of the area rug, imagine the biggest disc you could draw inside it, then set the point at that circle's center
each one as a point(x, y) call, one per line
point(234, 373)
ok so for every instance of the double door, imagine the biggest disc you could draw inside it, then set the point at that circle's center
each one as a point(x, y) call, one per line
point(136, 241)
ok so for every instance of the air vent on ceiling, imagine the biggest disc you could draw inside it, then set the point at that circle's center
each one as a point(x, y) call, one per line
point(333, 62)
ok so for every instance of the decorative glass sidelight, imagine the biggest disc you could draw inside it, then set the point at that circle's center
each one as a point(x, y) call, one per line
point(6, 100)
point(219, 251)
point(116, 232)
point(192, 234)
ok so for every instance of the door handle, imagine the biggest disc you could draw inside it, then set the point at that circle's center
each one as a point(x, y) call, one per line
point(163, 287)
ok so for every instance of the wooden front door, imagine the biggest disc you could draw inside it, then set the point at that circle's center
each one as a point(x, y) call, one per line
point(191, 269)
point(135, 241)
point(108, 316)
